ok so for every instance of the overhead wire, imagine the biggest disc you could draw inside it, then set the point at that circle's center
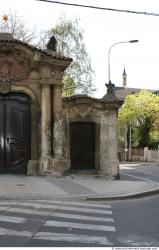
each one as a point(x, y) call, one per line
point(102, 8)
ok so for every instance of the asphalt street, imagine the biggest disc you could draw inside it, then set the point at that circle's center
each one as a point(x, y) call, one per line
point(43, 223)
point(140, 171)
point(137, 222)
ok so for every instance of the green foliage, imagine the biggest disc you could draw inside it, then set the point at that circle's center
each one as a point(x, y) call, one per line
point(154, 139)
point(69, 86)
point(140, 107)
point(70, 42)
point(142, 111)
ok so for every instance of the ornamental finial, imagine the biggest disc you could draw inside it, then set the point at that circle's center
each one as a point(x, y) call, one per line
point(4, 26)
point(5, 18)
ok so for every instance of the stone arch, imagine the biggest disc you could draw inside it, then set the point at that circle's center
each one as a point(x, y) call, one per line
point(26, 90)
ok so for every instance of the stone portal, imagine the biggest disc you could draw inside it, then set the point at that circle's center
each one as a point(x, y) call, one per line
point(26, 70)
point(46, 134)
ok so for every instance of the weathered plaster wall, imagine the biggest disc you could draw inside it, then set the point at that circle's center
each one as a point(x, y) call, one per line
point(109, 143)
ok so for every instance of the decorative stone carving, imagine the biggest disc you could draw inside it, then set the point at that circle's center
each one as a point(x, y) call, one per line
point(45, 72)
point(110, 86)
point(5, 87)
point(59, 75)
point(37, 56)
point(53, 73)
point(14, 65)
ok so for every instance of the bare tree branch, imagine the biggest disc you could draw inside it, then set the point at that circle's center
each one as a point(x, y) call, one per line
point(17, 27)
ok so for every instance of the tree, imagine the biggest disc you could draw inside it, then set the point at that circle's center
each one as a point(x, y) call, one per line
point(78, 77)
point(17, 27)
point(142, 111)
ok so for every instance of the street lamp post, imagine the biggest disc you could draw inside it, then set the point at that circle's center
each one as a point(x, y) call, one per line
point(109, 86)
point(131, 41)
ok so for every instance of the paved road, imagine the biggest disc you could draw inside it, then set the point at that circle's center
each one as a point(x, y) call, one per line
point(137, 222)
point(141, 171)
point(55, 223)
point(129, 223)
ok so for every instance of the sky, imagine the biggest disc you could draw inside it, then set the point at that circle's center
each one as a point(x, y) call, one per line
point(101, 30)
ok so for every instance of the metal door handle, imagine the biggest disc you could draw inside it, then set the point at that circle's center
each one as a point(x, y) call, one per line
point(8, 140)
point(1, 141)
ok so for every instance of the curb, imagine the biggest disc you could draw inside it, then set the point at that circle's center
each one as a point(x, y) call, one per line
point(124, 197)
point(86, 198)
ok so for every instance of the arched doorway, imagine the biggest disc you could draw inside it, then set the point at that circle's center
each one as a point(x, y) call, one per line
point(14, 133)
point(82, 145)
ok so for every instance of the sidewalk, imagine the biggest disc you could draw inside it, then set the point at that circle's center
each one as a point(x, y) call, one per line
point(74, 187)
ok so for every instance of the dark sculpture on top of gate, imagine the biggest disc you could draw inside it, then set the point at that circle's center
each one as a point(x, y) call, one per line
point(52, 44)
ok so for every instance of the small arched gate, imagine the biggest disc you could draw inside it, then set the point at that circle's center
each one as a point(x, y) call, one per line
point(82, 145)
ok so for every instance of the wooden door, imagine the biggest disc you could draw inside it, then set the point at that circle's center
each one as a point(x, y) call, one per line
point(82, 145)
point(2, 125)
point(15, 133)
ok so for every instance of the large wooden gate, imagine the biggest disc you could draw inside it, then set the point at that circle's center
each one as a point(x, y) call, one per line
point(14, 133)
point(82, 145)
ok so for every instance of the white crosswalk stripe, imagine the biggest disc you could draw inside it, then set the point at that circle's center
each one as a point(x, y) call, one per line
point(72, 238)
point(8, 203)
point(70, 208)
point(4, 231)
point(51, 223)
point(3, 208)
point(83, 204)
point(11, 219)
point(82, 217)
point(28, 211)
point(72, 216)
point(59, 215)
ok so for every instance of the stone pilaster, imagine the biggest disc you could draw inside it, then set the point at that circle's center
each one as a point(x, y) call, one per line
point(60, 165)
point(55, 164)
point(57, 98)
point(57, 113)
point(109, 163)
point(45, 161)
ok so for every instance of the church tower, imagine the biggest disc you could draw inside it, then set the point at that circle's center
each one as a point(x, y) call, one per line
point(124, 79)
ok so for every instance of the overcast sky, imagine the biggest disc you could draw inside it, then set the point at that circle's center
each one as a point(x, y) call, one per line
point(102, 29)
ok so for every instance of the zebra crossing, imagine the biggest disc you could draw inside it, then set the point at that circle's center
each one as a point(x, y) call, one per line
point(51, 222)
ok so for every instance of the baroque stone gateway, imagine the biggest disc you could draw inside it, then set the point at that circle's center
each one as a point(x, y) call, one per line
point(43, 133)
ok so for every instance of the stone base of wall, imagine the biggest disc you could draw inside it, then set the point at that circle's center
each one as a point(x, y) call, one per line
point(33, 167)
point(61, 167)
point(110, 169)
point(52, 167)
